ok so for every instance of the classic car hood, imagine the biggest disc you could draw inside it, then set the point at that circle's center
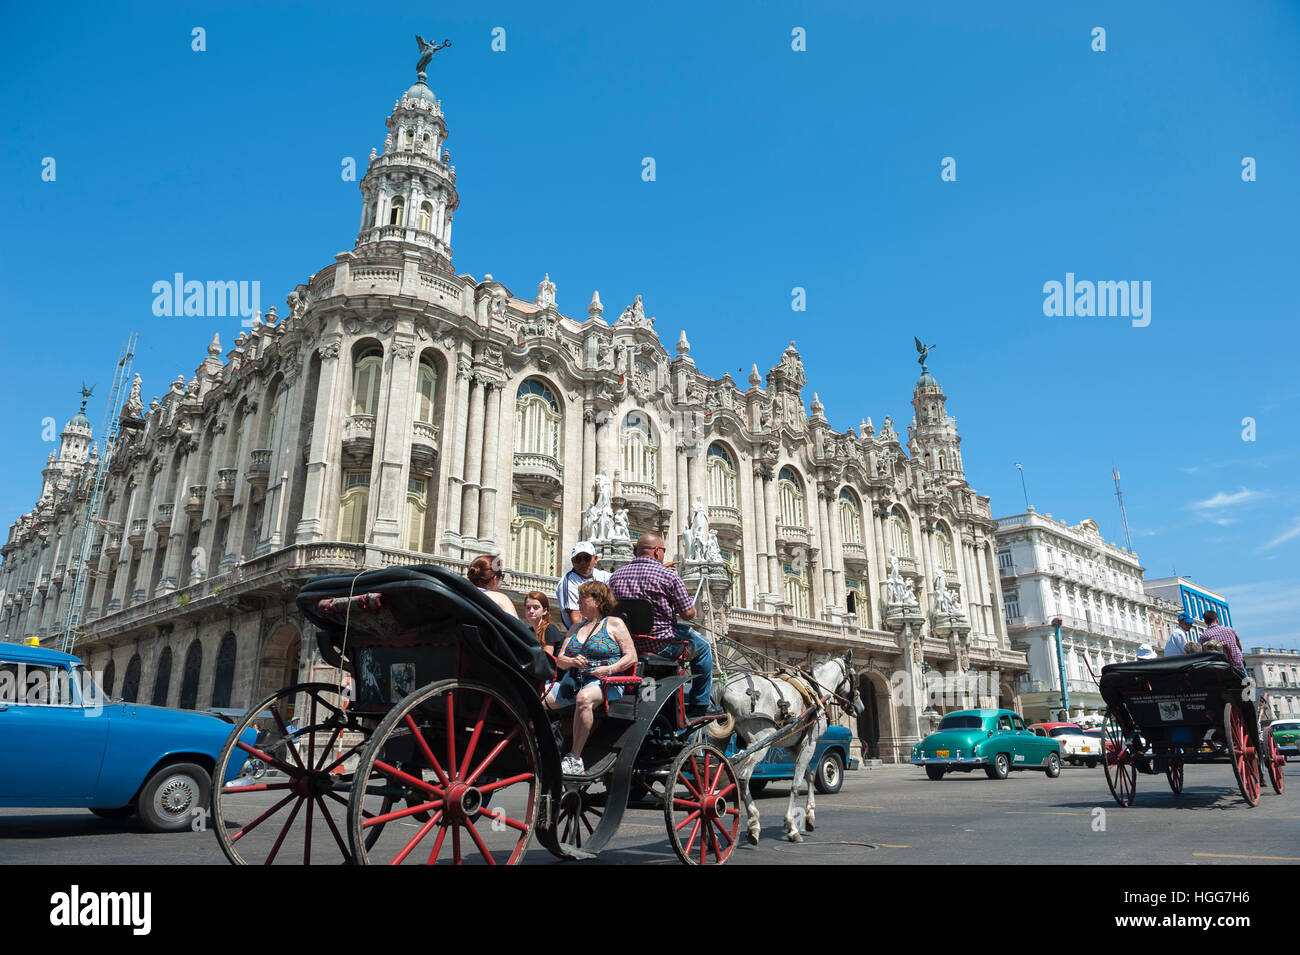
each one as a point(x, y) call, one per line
point(163, 717)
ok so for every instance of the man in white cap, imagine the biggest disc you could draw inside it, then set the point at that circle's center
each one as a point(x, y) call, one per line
point(583, 559)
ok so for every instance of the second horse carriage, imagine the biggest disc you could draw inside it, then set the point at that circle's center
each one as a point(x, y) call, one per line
point(1193, 708)
point(443, 752)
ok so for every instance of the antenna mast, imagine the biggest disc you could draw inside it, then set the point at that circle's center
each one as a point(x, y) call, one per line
point(108, 434)
point(1128, 539)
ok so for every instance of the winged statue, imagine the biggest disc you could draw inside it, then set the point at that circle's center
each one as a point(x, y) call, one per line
point(427, 50)
point(923, 351)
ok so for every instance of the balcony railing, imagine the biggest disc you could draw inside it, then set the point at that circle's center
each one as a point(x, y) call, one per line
point(224, 489)
point(791, 534)
point(139, 527)
point(194, 503)
point(359, 435)
point(854, 551)
point(162, 519)
point(537, 469)
point(259, 467)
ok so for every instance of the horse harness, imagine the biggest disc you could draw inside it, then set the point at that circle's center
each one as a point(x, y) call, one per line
point(803, 684)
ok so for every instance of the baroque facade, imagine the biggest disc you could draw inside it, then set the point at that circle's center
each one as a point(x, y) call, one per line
point(402, 413)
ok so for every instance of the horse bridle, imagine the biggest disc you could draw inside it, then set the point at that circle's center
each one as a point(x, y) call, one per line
point(852, 705)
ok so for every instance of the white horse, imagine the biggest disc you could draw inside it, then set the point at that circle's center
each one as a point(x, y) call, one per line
point(756, 705)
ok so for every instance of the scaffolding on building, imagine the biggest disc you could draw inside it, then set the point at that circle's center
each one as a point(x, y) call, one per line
point(108, 437)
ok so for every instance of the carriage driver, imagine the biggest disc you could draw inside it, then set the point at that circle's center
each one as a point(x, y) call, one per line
point(646, 578)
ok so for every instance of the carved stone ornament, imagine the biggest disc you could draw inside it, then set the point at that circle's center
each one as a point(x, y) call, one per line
point(403, 351)
point(329, 351)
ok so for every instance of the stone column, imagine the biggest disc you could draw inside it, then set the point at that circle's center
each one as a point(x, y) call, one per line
point(758, 530)
point(454, 428)
point(588, 455)
point(880, 542)
point(836, 560)
point(774, 576)
point(682, 491)
point(487, 527)
point(326, 436)
point(170, 579)
point(285, 457)
point(473, 461)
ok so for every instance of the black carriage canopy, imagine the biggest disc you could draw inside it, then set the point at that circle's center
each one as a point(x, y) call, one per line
point(1202, 671)
point(416, 598)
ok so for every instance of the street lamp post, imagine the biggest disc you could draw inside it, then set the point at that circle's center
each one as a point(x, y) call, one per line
point(1060, 663)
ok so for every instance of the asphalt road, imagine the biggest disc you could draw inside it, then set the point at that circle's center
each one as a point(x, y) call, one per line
point(890, 815)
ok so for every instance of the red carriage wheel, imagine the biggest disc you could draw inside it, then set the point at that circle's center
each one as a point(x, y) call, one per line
point(702, 806)
point(294, 814)
point(1273, 760)
point(462, 765)
point(1174, 773)
point(1121, 772)
point(1244, 755)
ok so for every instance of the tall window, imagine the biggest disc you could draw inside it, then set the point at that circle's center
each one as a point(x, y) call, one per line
point(163, 679)
point(796, 590)
point(537, 420)
point(640, 449)
point(722, 477)
point(224, 678)
point(946, 559)
point(790, 491)
point(417, 496)
point(273, 419)
point(366, 374)
point(428, 389)
point(395, 211)
point(534, 539)
point(856, 596)
point(900, 537)
point(850, 519)
point(190, 676)
point(352, 506)
point(737, 592)
point(426, 217)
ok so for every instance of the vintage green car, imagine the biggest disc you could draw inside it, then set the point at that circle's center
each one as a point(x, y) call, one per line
point(997, 740)
point(1286, 733)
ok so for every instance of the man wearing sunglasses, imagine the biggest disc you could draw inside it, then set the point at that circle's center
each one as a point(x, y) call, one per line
point(583, 559)
point(647, 577)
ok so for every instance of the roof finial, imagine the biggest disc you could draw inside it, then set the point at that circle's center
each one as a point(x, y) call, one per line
point(427, 50)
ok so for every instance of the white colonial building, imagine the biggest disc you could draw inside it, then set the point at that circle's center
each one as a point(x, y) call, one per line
point(1051, 570)
point(1277, 671)
point(402, 413)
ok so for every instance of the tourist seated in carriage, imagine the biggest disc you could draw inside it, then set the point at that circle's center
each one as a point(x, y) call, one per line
point(485, 573)
point(600, 647)
point(537, 611)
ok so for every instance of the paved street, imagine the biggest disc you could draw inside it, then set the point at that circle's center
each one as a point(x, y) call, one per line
point(889, 815)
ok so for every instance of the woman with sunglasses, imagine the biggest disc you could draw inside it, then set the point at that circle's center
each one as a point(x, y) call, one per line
point(486, 574)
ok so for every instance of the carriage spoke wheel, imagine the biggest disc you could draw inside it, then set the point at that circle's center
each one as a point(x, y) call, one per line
point(1245, 757)
point(581, 811)
point(702, 806)
point(1174, 773)
point(295, 812)
point(1121, 772)
point(1273, 761)
point(451, 777)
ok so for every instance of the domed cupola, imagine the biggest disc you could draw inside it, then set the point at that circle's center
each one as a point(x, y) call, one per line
point(409, 191)
point(932, 438)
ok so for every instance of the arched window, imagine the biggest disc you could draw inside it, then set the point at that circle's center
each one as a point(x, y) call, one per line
point(947, 560)
point(163, 680)
point(417, 498)
point(856, 599)
point(273, 419)
point(190, 681)
point(534, 539)
point(790, 491)
point(110, 674)
point(131, 682)
point(733, 560)
point(428, 389)
point(426, 217)
point(942, 461)
point(900, 537)
point(395, 210)
point(352, 506)
point(410, 138)
point(223, 679)
point(850, 519)
point(640, 449)
point(537, 420)
point(722, 477)
point(424, 144)
point(796, 590)
point(366, 375)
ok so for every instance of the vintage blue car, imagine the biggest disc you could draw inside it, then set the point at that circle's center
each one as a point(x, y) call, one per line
point(996, 741)
point(829, 762)
point(63, 744)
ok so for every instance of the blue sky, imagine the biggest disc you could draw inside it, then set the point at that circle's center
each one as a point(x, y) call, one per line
point(775, 169)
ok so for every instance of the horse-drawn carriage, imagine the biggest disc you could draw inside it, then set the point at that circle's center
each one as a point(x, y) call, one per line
point(1193, 708)
point(443, 752)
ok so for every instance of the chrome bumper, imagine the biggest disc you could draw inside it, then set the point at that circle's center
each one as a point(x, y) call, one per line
point(950, 761)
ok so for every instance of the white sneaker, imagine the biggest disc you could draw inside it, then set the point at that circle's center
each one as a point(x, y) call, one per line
point(572, 766)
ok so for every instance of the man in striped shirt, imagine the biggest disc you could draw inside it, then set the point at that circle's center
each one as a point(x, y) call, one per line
point(1224, 635)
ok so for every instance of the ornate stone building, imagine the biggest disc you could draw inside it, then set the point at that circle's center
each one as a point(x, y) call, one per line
point(403, 413)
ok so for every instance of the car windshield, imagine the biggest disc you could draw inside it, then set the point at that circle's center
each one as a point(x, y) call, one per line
point(1289, 726)
point(962, 723)
point(1065, 731)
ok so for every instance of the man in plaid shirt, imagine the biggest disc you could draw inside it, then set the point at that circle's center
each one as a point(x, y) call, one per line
point(1224, 635)
point(646, 578)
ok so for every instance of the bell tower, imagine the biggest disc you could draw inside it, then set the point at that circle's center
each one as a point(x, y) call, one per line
point(409, 191)
point(932, 438)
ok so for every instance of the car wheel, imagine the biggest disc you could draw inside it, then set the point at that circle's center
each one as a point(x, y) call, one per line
point(1053, 766)
point(119, 813)
point(170, 797)
point(1092, 763)
point(934, 772)
point(1001, 767)
point(756, 787)
point(830, 774)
